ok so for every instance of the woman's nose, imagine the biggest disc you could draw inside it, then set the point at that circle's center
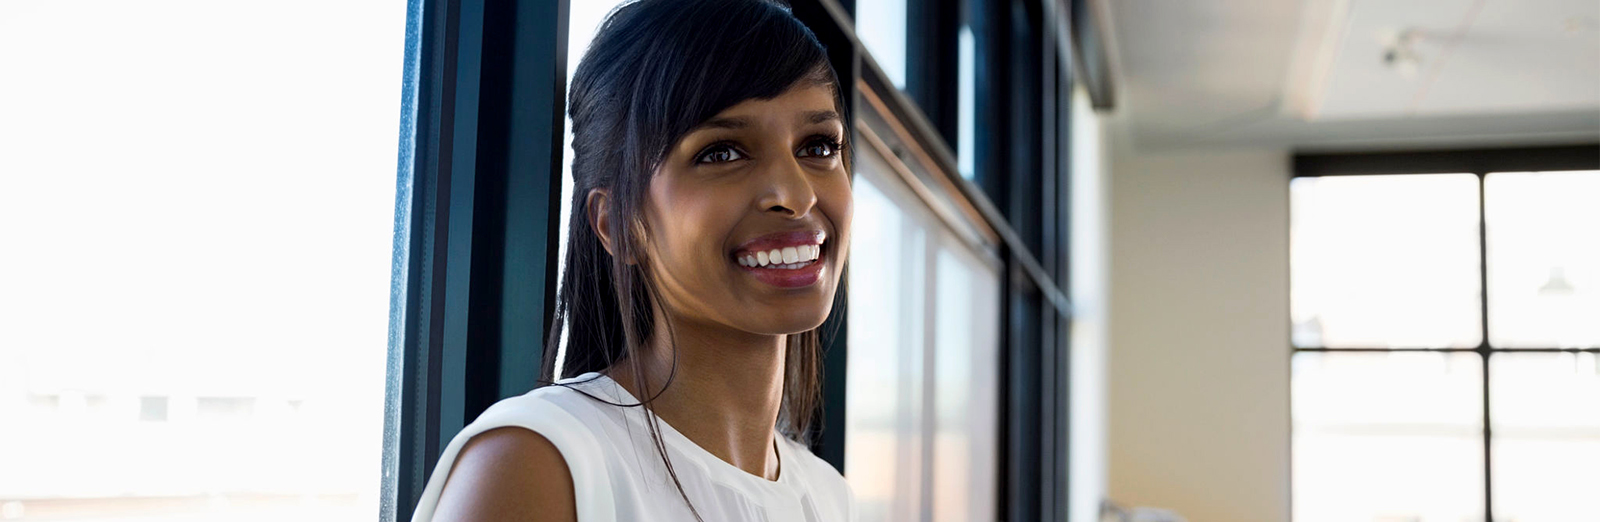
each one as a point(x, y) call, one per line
point(788, 190)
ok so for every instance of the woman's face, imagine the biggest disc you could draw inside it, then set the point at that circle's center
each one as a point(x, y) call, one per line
point(749, 215)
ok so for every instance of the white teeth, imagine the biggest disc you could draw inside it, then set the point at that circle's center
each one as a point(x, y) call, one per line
point(785, 258)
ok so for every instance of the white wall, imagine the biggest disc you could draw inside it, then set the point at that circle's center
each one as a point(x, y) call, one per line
point(1199, 363)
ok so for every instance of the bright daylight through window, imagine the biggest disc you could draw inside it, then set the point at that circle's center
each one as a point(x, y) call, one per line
point(197, 213)
point(1396, 373)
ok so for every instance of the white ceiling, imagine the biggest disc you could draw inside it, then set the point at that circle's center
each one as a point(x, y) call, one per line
point(1311, 74)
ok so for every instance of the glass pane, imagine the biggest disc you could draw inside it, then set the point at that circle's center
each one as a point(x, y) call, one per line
point(967, 103)
point(1387, 437)
point(198, 216)
point(1385, 261)
point(881, 26)
point(884, 412)
point(1544, 259)
point(966, 374)
point(1546, 414)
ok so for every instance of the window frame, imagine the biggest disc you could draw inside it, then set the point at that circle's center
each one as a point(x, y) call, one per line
point(1480, 163)
point(479, 171)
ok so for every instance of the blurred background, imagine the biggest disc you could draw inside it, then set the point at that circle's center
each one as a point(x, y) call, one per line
point(1309, 260)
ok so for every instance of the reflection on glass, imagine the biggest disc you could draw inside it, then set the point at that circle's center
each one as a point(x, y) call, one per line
point(881, 26)
point(883, 408)
point(966, 370)
point(198, 216)
point(1387, 436)
point(923, 361)
point(1385, 261)
point(1544, 259)
point(1546, 445)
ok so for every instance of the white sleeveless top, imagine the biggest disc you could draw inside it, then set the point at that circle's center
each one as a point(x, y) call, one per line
point(617, 473)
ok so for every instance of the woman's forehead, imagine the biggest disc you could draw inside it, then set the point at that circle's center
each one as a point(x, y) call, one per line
point(802, 105)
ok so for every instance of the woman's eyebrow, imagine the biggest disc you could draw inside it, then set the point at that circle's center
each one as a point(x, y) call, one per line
point(811, 117)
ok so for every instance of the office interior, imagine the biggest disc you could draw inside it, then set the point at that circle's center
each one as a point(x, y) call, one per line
point(1130, 260)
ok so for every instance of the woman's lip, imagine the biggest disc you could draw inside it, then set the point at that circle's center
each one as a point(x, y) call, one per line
point(779, 240)
point(788, 278)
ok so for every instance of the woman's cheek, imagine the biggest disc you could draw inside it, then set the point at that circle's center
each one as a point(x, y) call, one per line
point(840, 209)
point(843, 203)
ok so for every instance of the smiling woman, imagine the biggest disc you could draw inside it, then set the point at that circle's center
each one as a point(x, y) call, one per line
point(709, 230)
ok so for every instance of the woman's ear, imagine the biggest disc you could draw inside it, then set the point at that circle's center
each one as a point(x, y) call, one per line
point(598, 207)
point(599, 212)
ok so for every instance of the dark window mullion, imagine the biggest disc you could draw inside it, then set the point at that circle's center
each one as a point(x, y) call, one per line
point(1484, 350)
point(931, 79)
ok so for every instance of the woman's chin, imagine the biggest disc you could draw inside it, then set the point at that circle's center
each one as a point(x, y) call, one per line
point(789, 321)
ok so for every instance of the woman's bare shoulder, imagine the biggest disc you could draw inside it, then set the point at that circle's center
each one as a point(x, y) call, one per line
point(508, 473)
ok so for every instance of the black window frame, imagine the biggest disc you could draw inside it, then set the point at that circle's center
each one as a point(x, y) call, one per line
point(478, 188)
point(1480, 163)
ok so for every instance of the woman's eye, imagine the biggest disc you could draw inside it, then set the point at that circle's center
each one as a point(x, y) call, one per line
point(719, 154)
point(820, 149)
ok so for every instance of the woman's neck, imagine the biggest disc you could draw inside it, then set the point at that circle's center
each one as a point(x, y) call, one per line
point(724, 395)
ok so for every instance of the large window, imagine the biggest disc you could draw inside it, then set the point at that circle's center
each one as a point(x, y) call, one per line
point(197, 209)
point(1446, 330)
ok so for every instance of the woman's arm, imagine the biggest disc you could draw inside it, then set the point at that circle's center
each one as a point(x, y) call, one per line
point(508, 474)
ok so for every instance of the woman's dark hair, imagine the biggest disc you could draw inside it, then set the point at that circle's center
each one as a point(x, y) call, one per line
point(656, 69)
